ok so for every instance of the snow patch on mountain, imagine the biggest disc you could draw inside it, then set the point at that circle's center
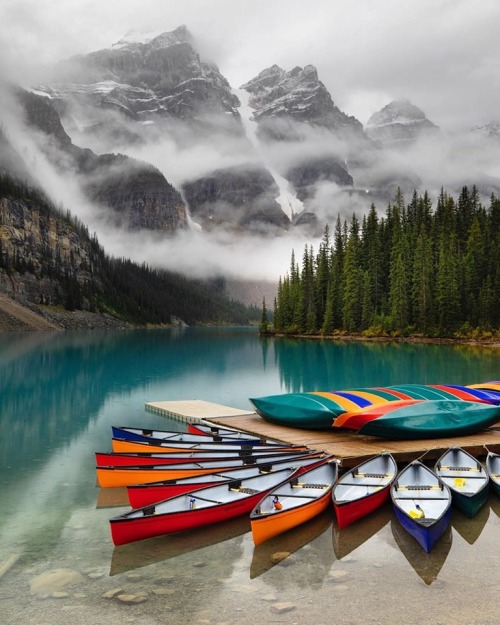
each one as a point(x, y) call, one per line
point(287, 199)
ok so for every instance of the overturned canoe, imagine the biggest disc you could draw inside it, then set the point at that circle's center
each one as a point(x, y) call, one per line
point(196, 509)
point(359, 418)
point(466, 478)
point(363, 489)
point(429, 419)
point(294, 502)
point(422, 504)
point(311, 411)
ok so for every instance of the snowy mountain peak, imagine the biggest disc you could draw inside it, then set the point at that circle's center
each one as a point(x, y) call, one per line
point(156, 37)
point(397, 111)
point(399, 122)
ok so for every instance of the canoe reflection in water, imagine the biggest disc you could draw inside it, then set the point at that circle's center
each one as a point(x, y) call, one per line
point(426, 565)
point(280, 549)
point(155, 550)
point(348, 539)
point(470, 529)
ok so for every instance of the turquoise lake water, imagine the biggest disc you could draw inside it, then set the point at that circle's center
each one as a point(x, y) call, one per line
point(60, 393)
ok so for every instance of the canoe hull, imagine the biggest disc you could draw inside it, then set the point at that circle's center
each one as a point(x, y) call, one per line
point(493, 469)
point(301, 410)
point(365, 488)
point(433, 419)
point(426, 537)
point(466, 478)
point(148, 435)
point(196, 509)
point(122, 459)
point(265, 528)
point(351, 511)
point(120, 445)
point(126, 531)
point(422, 504)
point(141, 495)
point(470, 504)
point(299, 501)
point(112, 477)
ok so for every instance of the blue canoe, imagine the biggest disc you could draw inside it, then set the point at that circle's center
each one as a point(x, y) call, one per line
point(422, 504)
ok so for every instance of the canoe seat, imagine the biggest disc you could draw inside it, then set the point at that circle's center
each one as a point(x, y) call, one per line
point(305, 485)
point(417, 487)
point(380, 475)
point(244, 489)
point(448, 468)
point(425, 521)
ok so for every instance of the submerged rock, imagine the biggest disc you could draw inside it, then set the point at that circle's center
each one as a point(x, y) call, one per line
point(54, 581)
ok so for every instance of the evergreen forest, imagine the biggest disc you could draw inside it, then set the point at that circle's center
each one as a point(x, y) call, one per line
point(417, 270)
point(135, 293)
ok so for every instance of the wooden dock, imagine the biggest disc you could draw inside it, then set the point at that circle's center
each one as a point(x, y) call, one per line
point(349, 448)
point(193, 410)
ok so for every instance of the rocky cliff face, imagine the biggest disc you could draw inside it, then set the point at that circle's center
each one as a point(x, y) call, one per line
point(243, 196)
point(36, 246)
point(400, 123)
point(135, 195)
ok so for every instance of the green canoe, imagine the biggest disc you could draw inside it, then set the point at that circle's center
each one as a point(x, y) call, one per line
point(433, 419)
point(309, 411)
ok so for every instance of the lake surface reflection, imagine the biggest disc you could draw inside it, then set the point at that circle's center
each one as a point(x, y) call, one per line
point(61, 392)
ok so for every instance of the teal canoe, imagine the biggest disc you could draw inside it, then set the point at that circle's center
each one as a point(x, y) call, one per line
point(433, 419)
point(466, 478)
point(300, 410)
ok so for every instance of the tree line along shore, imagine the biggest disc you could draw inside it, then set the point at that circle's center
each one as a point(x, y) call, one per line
point(414, 272)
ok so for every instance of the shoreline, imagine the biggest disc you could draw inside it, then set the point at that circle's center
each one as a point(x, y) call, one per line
point(494, 342)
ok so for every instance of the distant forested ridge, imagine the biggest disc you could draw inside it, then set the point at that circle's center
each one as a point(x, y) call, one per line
point(416, 270)
point(48, 257)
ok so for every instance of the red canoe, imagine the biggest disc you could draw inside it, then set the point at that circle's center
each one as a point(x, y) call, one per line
point(196, 509)
point(363, 489)
point(122, 459)
point(141, 495)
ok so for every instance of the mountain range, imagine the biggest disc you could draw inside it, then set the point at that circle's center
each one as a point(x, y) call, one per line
point(155, 139)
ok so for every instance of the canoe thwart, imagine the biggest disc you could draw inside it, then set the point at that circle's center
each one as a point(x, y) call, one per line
point(380, 475)
point(417, 487)
point(306, 485)
point(449, 468)
point(243, 489)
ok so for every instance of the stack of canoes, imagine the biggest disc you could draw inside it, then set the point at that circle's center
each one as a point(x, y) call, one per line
point(400, 411)
point(281, 487)
point(174, 485)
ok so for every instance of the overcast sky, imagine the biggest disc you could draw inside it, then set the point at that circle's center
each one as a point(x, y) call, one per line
point(444, 55)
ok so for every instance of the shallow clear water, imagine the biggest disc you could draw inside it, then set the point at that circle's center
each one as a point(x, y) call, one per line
point(61, 392)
